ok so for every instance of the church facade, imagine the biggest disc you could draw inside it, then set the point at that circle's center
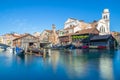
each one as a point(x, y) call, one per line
point(102, 25)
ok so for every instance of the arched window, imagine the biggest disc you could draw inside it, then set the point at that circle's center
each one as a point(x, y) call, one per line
point(106, 16)
point(102, 29)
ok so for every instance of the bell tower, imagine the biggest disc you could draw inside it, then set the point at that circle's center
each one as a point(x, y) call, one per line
point(106, 17)
point(54, 35)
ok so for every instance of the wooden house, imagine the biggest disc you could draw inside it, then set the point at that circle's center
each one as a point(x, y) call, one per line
point(25, 41)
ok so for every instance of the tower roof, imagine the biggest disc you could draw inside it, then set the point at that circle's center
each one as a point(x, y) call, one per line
point(106, 11)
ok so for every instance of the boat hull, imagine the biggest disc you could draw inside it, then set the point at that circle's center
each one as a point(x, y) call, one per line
point(20, 53)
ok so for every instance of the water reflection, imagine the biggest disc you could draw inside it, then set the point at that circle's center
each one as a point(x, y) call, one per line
point(19, 59)
point(116, 65)
point(65, 64)
point(54, 59)
point(28, 59)
point(82, 62)
point(106, 66)
point(8, 58)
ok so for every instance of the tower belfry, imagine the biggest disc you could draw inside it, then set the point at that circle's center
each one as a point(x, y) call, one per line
point(106, 14)
point(106, 17)
point(53, 26)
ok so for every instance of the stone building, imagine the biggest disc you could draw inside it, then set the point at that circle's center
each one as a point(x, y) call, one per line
point(73, 26)
point(1, 39)
point(44, 37)
point(49, 37)
point(102, 25)
point(53, 37)
point(65, 35)
point(36, 34)
point(8, 38)
point(116, 35)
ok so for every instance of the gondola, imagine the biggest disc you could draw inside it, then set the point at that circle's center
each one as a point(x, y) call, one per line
point(19, 51)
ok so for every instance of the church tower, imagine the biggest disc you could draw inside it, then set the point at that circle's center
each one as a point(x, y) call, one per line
point(106, 17)
point(54, 36)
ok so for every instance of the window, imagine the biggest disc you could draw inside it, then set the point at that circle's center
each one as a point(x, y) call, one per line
point(102, 29)
point(104, 17)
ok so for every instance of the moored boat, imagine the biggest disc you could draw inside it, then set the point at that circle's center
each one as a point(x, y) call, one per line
point(85, 47)
point(35, 51)
point(9, 49)
point(93, 47)
point(1, 49)
point(19, 51)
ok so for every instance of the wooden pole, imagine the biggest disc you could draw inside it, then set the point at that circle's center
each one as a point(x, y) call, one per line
point(49, 52)
point(44, 53)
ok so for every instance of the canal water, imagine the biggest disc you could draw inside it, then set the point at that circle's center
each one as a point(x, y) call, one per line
point(62, 65)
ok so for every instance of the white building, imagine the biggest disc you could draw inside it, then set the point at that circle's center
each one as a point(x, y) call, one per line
point(1, 39)
point(102, 25)
point(36, 34)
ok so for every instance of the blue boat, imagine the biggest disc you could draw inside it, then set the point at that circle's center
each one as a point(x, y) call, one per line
point(19, 51)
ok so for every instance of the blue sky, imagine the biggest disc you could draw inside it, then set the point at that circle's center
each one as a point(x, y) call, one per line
point(36, 15)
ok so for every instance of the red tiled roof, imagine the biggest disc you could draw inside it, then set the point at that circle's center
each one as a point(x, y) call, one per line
point(16, 35)
point(88, 31)
point(24, 36)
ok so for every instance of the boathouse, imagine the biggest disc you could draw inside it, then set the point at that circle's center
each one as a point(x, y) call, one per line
point(106, 41)
point(25, 41)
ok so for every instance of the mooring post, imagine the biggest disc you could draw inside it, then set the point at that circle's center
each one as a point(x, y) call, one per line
point(49, 52)
point(44, 53)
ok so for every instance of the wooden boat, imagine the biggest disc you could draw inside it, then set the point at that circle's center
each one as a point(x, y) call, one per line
point(35, 51)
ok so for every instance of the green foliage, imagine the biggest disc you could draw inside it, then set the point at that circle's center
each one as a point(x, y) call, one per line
point(79, 37)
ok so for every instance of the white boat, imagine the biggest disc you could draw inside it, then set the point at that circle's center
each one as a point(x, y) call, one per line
point(1, 49)
point(9, 49)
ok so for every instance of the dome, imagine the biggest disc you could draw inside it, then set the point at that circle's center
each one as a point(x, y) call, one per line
point(106, 10)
